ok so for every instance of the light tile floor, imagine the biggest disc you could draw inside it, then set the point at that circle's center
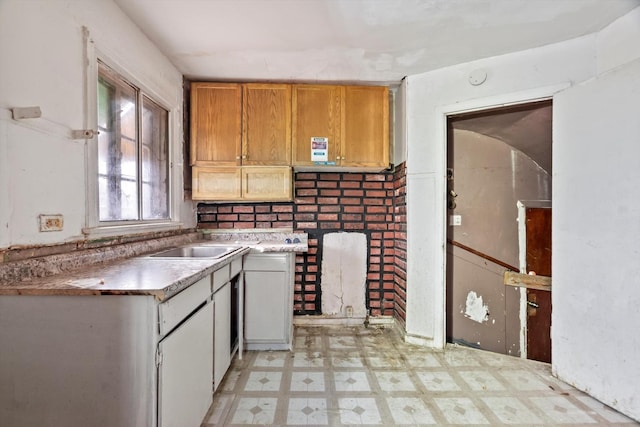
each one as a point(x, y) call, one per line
point(346, 376)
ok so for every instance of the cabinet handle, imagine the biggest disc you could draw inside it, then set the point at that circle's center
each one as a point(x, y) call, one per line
point(237, 157)
point(244, 157)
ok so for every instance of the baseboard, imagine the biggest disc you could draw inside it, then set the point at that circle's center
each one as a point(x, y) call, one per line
point(322, 320)
point(421, 341)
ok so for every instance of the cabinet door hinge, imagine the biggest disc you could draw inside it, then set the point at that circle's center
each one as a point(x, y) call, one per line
point(158, 358)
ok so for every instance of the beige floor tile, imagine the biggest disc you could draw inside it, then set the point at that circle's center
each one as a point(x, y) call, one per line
point(307, 381)
point(410, 411)
point(255, 410)
point(359, 411)
point(270, 359)
point(263, 381)
point(307, 411)
point(351, 381)
point(394, 381)
point(438, 381)
point(347, 376)
point(313, 359)
point(510, 410)
point(561, 410)
point(481, 380)
point(603, 410)
point(460, 410)
point(522, 380)
point(347, 361)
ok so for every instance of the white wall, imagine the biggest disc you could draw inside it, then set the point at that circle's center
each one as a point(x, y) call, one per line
point(596, 199)
point(517, 77)
point(399, 148)
point(42, 170)
point(617, 44)
point(596, 220)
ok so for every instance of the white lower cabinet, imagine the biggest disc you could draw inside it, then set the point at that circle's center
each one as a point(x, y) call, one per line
point(226, 320)
point(222, 333)
point(184, 371)
point(268, 294)
point(108, 360)
point(119, 360)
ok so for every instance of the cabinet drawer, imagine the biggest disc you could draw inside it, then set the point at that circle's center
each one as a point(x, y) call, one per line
point(266, 262)
point(220, 277)
point(178, 307)
point(236, 267)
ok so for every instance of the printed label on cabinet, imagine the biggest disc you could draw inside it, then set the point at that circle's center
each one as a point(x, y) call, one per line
point(319, 149)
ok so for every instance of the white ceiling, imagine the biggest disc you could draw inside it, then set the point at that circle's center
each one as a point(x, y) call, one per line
point(355, 40)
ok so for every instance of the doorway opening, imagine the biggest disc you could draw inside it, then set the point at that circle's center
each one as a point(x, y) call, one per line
point(495, 158)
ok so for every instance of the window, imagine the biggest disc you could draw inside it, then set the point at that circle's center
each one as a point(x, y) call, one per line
point(133, 152)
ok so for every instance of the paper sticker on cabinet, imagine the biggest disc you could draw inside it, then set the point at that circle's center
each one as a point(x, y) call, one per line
point(319, 149)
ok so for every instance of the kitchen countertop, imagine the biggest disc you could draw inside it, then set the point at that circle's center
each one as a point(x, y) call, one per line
point(261, 241)
point(147, 275)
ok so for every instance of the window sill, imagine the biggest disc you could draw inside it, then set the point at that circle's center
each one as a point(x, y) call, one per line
point(128, 229)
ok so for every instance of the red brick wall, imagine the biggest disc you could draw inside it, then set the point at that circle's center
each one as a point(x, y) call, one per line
point(330, 202)
point(400, 245)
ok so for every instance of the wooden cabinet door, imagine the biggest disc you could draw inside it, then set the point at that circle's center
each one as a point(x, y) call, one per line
point(316, 113)
point(365, 132)
point(266, 124)
point(257, 183)
point(218, 183)
point(266, 183)
point(215, 124)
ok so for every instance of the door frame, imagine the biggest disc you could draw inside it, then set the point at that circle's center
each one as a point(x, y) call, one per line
point(470, 106)
point(522, 263)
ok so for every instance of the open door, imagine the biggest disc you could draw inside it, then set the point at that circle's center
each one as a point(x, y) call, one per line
point(494, 158)
point(535, 258)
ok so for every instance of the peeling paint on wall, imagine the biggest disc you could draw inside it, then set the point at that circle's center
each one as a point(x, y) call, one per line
point(476, 310)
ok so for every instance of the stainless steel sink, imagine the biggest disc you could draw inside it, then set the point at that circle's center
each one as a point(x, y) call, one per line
point(197, 252)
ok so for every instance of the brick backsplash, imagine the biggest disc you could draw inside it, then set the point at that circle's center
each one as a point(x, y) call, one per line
point(330, 202)
point(400, 243)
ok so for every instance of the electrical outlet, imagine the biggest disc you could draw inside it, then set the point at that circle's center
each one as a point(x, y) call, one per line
point(51, 222)
point(349, 311)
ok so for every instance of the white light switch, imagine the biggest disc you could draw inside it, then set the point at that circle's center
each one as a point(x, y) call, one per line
point(455, 220)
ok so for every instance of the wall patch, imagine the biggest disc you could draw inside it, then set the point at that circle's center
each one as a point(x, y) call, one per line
point(476, 310)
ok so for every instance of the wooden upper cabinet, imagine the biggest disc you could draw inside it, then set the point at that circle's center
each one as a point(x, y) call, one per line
point(242, 183)
point(365, 132)
point(216, 183)
point(216, 112)
point(316, 113)
point(273, 183)
point(266, 124)
point(355, 119)
point(245, 137)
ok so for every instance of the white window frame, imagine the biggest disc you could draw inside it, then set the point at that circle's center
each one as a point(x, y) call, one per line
point(93, 226)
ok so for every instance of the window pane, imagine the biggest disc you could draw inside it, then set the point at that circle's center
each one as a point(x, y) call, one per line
point(155, 165)
point(117, 148)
